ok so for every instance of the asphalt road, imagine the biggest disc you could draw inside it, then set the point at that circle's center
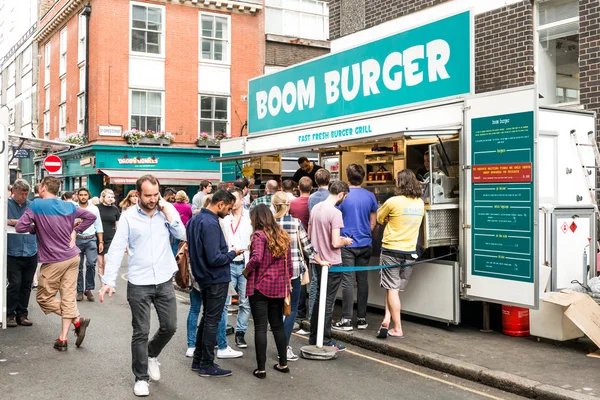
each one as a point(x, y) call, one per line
point(101, 368)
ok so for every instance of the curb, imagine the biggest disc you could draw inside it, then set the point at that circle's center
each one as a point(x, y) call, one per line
point(489, 377)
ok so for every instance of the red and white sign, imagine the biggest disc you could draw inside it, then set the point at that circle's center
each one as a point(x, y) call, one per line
point(564, 228)
point(53, 164)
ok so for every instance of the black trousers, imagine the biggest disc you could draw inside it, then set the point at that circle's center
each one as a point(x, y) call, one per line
point(267, 309)
point(334, 281)
point(140, 298)
point(20, 273)
point(213, 302)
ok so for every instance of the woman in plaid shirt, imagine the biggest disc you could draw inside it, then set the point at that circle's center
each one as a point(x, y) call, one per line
point(298, 236)
point(268, 271)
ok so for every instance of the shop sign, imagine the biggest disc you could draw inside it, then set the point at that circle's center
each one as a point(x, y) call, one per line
point(85, 161)
point(109, 130)
point(138, 161)
point(503, 202)
point(20, 153)
point(429, 62)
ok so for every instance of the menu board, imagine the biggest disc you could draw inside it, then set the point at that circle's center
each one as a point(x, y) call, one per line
point(503, 196)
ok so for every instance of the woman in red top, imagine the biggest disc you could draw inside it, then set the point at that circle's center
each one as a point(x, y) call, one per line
point(268, 271)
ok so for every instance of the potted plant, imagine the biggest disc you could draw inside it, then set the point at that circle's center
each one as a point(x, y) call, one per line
point(205, 140)
point(77, 138)
point(149, 137)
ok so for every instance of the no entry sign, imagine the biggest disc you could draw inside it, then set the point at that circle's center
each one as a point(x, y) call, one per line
point(53, 164)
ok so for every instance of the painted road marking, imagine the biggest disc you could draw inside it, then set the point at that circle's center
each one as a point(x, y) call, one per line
point(489, 396)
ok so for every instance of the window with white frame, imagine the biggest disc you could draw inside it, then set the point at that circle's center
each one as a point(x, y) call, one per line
point(26, 58)
point(146, 111)
point(82, 78)
point(214, 114)
point(62, 120)
point(47, 99)
point(558, 51)
point(215, 42)
point(26, 110)
point(81, 35)
point(11, 74)
point(63, 90)
point(47, 123)
point(63, 52)
point(307, 19)
point(146, 29)
point(47, 54)
point(81, 113)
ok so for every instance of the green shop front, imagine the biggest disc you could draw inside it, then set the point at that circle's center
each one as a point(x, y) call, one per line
point(101, 166)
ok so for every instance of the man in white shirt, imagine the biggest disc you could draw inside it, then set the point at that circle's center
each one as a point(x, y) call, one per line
point(205, 188)
point(238, 231)
point(145, 229)
point(90, 243)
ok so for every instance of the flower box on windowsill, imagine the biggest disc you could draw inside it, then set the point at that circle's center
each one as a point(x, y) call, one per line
point(207, 143)
point(153, 142)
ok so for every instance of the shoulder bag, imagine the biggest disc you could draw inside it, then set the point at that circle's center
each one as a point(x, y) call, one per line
point(287, 300)
point(304, 277)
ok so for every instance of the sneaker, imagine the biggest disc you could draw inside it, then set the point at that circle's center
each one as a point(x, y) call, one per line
point(362, 323)
point(89, 295)
point(24, 321)
point(338, 346)
point(343, 325)
point(229, 353)
point(79, 297)
point(61, 345)
point(141, 388)
point(153, 369)
point(290, 354)
point(214, 372)
point(190, 352)
point(80, 330)
point(240, 341)
point(303, 332)
point(11, 322)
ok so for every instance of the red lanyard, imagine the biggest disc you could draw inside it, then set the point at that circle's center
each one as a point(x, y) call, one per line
point(237, 226)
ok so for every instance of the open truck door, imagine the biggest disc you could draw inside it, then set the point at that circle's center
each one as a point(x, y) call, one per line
point(499, 250)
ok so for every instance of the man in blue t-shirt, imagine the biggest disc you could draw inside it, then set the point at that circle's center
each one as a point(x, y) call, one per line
point(359, 211)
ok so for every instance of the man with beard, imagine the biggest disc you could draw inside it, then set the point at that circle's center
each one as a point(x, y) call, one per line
point(89, 246)
point(210, 259)
point(324, 227)
point(145, 229)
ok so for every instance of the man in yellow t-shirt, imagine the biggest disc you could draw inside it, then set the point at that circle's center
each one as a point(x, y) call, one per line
point(404, 214)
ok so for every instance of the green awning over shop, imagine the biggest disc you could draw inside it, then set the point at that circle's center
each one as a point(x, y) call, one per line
point(165, 177)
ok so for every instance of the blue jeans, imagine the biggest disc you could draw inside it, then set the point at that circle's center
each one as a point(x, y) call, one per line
point(222, 328)
point(192, 319)
point(288, 322)
point(239, 284)
point(87, 257)
point(312, 291)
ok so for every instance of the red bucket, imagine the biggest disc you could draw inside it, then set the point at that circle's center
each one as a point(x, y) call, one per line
point(515, 321)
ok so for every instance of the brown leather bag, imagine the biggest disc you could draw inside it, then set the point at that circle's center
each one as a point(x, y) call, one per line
point(287, 300)
point(183, 259)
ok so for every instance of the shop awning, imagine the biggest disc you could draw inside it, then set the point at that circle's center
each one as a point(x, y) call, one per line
point(165, 177)
point(30, 143)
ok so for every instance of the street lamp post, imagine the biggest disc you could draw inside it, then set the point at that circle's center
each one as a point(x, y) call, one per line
point(4, 122)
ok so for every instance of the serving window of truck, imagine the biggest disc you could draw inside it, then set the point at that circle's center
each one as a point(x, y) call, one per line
point(406, 101)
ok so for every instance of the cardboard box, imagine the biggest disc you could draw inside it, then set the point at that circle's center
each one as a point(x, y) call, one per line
point(550, 322)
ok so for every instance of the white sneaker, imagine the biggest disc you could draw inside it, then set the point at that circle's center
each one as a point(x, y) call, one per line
point(190, 352)
point(229, 353)
point(141, 388)
point(153, 369)
point(290, 354)
point(303, 332)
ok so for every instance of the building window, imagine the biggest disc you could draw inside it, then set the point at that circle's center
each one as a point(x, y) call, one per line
point(26, 111)
point(146, 111)
point(47, 103)
point(62, 119)
point(47, 52)
point(81, 42)
point(146, 29)
point(215, 32)
point(81, 113)
point(307, 19)
point(63, 90)
point(82, 78)
point(558, 51)
point(63, 52)
point(27, 58)
point(47, 124)
point(214, 114)
point(11, 74)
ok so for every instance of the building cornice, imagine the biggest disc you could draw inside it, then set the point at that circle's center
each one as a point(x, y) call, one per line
point(63, 15)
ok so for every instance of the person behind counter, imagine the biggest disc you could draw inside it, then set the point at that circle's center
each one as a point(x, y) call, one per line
point(404, 213)
point(306, 169)
point(423, 172)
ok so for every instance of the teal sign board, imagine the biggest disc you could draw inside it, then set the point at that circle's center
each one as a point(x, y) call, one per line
point(228, 168)
point(425, 63)
point(503, 205)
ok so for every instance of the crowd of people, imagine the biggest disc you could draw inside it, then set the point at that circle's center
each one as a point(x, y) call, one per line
point(269, 252)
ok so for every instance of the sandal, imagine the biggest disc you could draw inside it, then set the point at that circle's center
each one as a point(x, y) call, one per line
point(260, 375)
point(382, 333)
point(284, 370)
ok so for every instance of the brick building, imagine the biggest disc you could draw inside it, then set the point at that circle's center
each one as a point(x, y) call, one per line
point(553, 43)
point(175, 66)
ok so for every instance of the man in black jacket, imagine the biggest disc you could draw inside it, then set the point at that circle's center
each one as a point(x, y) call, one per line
point(210, 260)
